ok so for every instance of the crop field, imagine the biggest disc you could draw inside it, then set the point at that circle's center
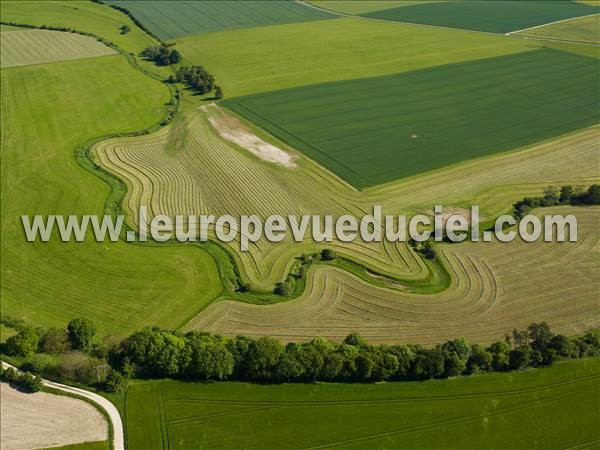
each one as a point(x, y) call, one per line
point(171, 21)
point(487, 15)
point(43, 46)
point(531, 409)
point(376, 130)
point(364, 6)
point(47, 111)
point(584, 29)
point(490, 295)
point(293, 55)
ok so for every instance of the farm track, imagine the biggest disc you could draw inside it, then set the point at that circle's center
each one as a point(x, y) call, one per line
point(491, 291)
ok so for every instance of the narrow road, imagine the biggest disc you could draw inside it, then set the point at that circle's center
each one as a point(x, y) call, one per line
point(118, 440)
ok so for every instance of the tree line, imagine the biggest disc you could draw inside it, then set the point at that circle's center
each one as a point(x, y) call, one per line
point(198, 79)
point(158, 353)
point(162, 55)
point(553, 196)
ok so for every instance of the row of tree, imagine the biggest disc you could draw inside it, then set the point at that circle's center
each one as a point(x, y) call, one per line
point(154, 352)
point(553, 196)
point(25, 380)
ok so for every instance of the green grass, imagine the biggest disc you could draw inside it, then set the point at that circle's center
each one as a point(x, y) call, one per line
point(47, 111)
point(81, 15)
point(490, 16)
point(171, 20)
point(44, 46)
point(284, 56)
point(363, 6)
point(584, 29)
point(376, 130)
point(538, 409)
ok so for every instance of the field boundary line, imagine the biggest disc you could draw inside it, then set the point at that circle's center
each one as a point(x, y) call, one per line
point(118, 439)
point(550, 23)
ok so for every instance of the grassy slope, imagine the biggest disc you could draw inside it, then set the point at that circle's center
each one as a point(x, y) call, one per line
point(171, 20)
point(376, 130)
point(585, 29)
point(47, 111)
point(490, 16)
point(44, 46)
point(284, 56)
point(535, 409)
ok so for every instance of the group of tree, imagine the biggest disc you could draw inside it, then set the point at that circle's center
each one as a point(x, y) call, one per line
point(78, 335)
point(24, 380)
point(154, 352)
point(553, 196)
point(198, 79)
point(163, 55)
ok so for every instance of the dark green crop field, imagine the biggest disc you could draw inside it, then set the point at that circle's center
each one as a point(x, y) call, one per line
point(538, 409)
point(170, 19)
point(491, 16)
point(374, 130)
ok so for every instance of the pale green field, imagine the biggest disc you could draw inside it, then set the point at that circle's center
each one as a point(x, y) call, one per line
point(47, 111)
point(584, 29)
point(44, 46)
point(364, 6)
point(284, 56)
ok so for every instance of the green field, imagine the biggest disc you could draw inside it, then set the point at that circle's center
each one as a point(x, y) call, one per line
point(363, 6)
point(171, 20)
point(487, 15)
point(44, 46)
point(47, 111)
point(301, 54)
point(538, 409)
point(584, 29)
point(376, 130)
point(105, 445)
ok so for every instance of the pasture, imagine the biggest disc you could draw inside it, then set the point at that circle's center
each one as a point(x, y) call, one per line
point(532, 409)
point(44, 46)
point(47, 112)
point(376, 130)
point(172, 20)
point(301, 54)
point(493, 16)
point(584, 29)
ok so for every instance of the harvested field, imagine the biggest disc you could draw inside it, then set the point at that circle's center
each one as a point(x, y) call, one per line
point(171, 20)
point(40, 420)
point(377, 130)
point(29, 47)
point(492, 293)
point(489, 15)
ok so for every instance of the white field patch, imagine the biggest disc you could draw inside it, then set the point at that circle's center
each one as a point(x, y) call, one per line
point(233, 130)
point(28, 47)
point(42, 420)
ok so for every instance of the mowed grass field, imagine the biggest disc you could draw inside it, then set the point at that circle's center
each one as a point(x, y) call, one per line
point(80, 15)
point(171, 20)
point(376, 130)
point(43, 46)
point(537, 409)
point(285, 56)
point(47, 112)
point(584, 29)
point(487, 15)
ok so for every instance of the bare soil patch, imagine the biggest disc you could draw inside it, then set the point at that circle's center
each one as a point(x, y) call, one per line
point(42, 420)
point(232, 129)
